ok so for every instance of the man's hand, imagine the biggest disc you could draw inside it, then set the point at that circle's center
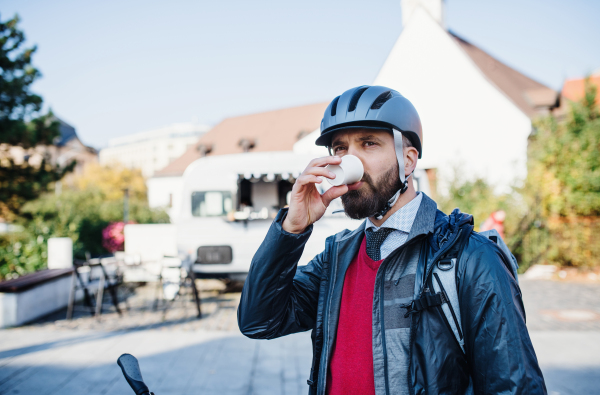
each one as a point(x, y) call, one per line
point(307, 205)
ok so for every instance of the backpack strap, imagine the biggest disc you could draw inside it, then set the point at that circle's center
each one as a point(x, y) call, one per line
point(443, 281)
point(509, 258)
point(440, 285)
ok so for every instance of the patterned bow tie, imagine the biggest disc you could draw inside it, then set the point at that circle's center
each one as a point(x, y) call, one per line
point(375, 240)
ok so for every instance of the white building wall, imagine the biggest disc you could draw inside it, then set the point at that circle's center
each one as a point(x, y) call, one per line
point(467, 121)
point(165, 192)
point(306, 145)
point(152, 150)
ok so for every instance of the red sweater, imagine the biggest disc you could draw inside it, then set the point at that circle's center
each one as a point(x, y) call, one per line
point(351, 368)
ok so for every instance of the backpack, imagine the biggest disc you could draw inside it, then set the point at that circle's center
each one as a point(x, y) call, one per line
point(441, 276)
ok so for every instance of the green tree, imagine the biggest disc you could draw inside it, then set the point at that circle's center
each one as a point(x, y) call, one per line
point(84, 208)
point(21, 124)
point(563, 187)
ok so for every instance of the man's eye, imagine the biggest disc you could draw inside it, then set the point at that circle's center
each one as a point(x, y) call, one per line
point(369, 143)
point(337, 149)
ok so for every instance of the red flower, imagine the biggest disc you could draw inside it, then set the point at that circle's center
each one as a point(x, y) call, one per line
point(113, 238)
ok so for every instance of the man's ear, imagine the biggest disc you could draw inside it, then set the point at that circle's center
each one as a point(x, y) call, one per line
point(410, 160)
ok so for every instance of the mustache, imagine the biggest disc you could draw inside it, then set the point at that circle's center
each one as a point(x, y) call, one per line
point(366, 178)
point(366, 201)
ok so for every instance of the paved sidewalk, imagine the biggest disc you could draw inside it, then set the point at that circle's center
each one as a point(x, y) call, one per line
point(180, 354)
point(561, 306)
point(564, 323)
point(173, 362)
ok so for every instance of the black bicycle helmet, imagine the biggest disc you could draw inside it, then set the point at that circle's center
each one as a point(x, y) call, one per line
point(375, 107)
point(372, 107)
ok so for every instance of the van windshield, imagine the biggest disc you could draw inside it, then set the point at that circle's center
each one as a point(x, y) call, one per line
point(211, 204)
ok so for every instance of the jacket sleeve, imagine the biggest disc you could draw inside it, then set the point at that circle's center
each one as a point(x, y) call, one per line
point(497, 344)
point(279, 297)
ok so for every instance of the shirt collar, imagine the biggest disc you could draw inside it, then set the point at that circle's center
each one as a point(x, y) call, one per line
point(402, 219)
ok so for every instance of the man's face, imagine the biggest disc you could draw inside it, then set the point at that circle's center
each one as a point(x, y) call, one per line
point(375, 149)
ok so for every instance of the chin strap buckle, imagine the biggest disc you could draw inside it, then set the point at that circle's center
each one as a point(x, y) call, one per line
point(404, 186)
point(388, 206)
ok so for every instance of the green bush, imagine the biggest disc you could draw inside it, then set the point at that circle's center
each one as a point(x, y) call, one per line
point(21, 253)
point(80, 215)
point(562, 188)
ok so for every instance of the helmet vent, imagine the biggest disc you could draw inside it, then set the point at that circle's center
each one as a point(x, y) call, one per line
point(381, 99)
point(356, 98)
point(334, 106)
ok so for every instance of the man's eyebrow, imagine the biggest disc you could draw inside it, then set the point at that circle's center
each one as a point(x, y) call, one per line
point(362, 138)
point(336, 141)
point(366, 138)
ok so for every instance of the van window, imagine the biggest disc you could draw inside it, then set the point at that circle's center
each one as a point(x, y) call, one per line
point(211, 204)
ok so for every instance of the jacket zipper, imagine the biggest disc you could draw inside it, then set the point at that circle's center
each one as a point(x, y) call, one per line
point(325, 349)
point(383, 344)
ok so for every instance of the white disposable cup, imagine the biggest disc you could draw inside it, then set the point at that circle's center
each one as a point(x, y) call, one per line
point(348, 172)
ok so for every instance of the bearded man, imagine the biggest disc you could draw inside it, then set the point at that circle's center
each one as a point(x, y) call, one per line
point(380, 322)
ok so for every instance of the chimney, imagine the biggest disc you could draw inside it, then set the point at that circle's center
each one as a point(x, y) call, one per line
point(435, 8)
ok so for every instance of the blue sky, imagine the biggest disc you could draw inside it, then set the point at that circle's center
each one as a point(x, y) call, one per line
point(113, 68)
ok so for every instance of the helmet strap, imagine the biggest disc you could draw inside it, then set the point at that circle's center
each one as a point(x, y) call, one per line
point(399, 148)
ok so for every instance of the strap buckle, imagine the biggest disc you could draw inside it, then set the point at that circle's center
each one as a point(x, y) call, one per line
point(446, 264)
point(426, 301)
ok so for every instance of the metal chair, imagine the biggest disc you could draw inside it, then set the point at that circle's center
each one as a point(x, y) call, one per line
point(91, 277)
point(176, 274)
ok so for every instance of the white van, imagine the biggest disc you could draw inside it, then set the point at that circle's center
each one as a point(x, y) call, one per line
point(229, 202)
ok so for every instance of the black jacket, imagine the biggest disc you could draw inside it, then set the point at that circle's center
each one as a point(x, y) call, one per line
point(280, 298)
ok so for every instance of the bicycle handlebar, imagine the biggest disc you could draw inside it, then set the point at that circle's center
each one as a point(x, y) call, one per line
point(131, 370)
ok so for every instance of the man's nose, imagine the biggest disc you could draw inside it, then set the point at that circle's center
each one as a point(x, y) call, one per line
point(356, 151)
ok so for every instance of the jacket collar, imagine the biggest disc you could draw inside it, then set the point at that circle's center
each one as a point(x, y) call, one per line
point(425, 219)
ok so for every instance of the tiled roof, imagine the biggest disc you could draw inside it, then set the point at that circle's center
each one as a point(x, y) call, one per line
point(574, 89)
point(267, 131)
point(530, 96)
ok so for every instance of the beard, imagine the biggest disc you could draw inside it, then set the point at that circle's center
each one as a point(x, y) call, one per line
point(372, 197)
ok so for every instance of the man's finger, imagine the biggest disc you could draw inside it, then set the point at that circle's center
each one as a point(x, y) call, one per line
point(324, 161)
point(308, 179)
point(333, 193)
point(319, 171)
